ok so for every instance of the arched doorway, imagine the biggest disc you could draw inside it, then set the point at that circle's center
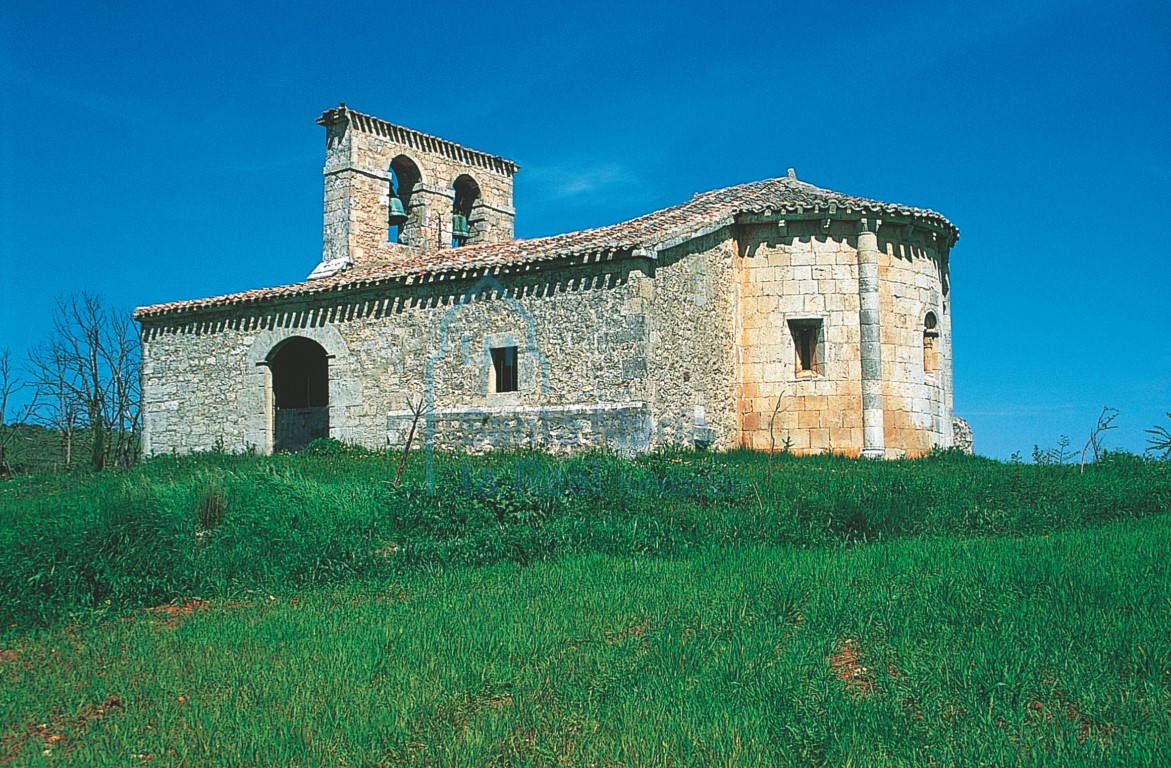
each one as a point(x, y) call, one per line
point(300, 393)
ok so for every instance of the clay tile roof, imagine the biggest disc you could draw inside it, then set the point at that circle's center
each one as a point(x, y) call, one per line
point(703, 213)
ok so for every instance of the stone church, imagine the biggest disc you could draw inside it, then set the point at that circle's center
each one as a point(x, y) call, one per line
point(768, 315)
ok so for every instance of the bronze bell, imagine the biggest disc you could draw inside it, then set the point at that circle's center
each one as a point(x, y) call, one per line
point(398, 214)
point(459, 226)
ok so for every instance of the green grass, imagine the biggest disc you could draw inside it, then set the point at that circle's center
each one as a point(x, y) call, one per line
point(1040, 651)
point(33, 448)
point(679, 609)
point(218, 526)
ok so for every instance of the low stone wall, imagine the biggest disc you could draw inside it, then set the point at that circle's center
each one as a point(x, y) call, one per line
point(625, 427)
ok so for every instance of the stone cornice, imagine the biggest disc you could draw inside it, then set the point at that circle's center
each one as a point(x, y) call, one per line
point(317, 291)
point(416, 140)
point(908, 224)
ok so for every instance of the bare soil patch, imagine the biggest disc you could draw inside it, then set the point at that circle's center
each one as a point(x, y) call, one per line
point(847, 666)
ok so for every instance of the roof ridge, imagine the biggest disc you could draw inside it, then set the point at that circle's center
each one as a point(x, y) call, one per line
point(703, 213)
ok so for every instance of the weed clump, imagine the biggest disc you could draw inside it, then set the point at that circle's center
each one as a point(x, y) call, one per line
point(212, 505)
point(328, 446)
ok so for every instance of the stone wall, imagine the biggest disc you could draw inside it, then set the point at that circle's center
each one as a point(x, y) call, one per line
point(583, 349)
point(625, 427)
point(801, 272)
point(963, 439)
point(806, 272)
point(693, 346)
point(691, 301)
point(359, 154)
point(913, 281)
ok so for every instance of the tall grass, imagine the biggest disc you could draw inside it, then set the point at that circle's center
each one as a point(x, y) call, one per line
point(1037, 651)
point(217, 526)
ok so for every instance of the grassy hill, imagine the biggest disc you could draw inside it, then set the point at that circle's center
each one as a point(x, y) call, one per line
point(32, 448)
point(682, 609)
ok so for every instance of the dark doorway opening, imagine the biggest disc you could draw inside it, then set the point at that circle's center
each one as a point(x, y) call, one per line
point(300, 393)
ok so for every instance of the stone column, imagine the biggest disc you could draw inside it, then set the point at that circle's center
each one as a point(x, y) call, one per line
point(435, 227)
point(873, 437)
point(336, 227)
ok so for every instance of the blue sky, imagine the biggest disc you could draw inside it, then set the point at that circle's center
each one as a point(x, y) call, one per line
point(150, 153)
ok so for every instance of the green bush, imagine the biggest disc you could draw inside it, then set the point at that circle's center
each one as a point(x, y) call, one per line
point(327, 446)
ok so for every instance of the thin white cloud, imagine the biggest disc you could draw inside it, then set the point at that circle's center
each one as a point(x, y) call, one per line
point(582, 183)
point(76, 97)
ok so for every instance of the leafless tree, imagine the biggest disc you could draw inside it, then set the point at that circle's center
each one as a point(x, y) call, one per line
point(418, 410)
point(10, 385)
point(1105, 424)
point(57, 409)
point(772, 436)
point(122, 360)
point(1159, 440)
point(87, 377)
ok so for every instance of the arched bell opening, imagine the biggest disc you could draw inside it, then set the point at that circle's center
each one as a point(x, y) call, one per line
point(467, 193)
point(404, 220)
point(299, 370)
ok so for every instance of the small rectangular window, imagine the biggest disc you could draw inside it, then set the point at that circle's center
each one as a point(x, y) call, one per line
point(504, 369)
point(807, 347)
